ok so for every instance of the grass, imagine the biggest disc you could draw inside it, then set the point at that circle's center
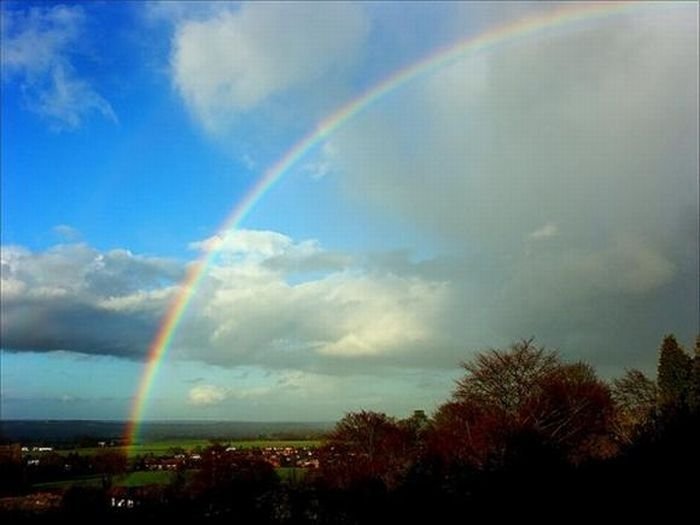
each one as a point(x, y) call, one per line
point(140, 478)
point(90, 480)
point(291, 474)
point(132, 479)
point(147, 477)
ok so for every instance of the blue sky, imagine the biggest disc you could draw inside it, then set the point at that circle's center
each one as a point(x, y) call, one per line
point(543, 189)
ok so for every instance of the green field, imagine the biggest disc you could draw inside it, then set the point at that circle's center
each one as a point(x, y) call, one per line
point(132, 479)
point(81, 481)
point(163, 447)
point(140, 478)
point(292, 475)
point(157, 477)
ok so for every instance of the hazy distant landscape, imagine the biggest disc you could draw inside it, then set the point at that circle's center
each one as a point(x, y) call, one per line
point(60, 431)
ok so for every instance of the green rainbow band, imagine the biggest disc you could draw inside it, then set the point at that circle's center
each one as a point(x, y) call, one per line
point(562, 16)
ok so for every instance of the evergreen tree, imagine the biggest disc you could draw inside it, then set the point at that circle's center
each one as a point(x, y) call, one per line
point(673, 375)
point(636, 398)
point(694, 390)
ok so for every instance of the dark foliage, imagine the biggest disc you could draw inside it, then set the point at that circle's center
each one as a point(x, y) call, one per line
point(674, 375)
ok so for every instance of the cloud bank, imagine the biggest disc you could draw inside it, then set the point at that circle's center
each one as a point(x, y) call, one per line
point(266, 301)
point(74, 297)
point(563, 171)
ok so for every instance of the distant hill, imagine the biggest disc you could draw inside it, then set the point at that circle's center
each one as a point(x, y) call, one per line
point(66, 431)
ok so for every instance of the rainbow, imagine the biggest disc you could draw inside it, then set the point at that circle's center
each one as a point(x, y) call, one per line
point(563, 16)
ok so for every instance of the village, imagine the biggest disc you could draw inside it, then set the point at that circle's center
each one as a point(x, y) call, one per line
point(277, 456)
point(131, 478)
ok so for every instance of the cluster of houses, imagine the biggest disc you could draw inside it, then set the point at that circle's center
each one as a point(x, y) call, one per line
point(278, 457)
point(37, 449)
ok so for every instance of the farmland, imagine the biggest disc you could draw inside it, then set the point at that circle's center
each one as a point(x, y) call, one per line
point(168, 446)
point(156, 462)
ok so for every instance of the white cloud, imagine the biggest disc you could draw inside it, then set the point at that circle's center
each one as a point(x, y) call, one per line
point(251, 243)
point(203, 395)
point(183, 10)
point(342, 315)
point(547, 231)
point(323, 166)
point(37, 48)
point(138, 301)
point(239, 59)
point(343, 312)
point(67, 233)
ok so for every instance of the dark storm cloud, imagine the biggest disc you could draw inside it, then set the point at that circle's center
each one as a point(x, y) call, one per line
point(73, 297)
point(561, 174)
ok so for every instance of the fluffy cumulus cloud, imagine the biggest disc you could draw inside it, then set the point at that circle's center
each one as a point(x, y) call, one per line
point(238, 59)
point(545, 232)
point(66, 233)
point(203, 395)
point(38, 52)
point(566, 165)
point(266, 301)
point(276, 303)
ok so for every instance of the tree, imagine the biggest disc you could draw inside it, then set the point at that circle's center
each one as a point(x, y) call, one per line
point(231, 483)
point(109, 463)
point(463, 433)
point(571, 410)
point(505, 380)
point(414, 429)
point(635, 397)
point(12, 468)
point(673, 375)
point(366, 445)
point(694, 390)
point(416, 423)
point(529, 391)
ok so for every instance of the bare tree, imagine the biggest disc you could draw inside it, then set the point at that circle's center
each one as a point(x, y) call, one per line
point(506, 379)
point(528, 390)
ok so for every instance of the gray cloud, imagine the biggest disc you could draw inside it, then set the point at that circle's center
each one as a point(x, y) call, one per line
point(73, 297)
point(562, 172)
